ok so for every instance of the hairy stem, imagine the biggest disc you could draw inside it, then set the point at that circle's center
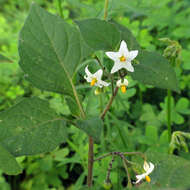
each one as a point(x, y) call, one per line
point(60, 8)
point(169, 115)
point(109, 103)
point(106, 9)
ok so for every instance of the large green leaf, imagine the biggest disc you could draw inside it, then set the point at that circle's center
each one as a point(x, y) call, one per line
point(128, 37)
point(8, 163)
point(170, 171)
point(31, 127)
point(92, 126)
point(155, 70)
point(50, 52)
point(99, 34)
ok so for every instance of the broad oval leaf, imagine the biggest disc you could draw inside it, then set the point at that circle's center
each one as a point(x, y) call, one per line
point(154, 69)
point(128, 37)
point(50, 51)
point(92, 126)
point(31, 127)
point(99, 34)
point(8, 163)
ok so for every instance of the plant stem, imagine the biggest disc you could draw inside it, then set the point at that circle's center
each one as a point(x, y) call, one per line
point(60, 8)
point(129, 185)
point(106, 9)
point(109, 104)
point(90, 162)
point(169, 115)
point(123, 153)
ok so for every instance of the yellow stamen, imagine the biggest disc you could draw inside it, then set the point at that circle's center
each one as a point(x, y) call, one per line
point(123, 88)
point(93, 82)
point(122, 58)
point(148, 179)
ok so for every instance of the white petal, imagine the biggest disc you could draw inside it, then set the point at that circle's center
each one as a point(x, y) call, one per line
point(139, 178)
point(132, 55)
point(123, 48)
point(151, 168)
point(119, 83)
point(98, 74)
point(87, 71)
point(102, 83)
point(113, 55)
point(117, 66)
point(125, 82)
point(89, 79)
point(129, 67)
point(146, 166)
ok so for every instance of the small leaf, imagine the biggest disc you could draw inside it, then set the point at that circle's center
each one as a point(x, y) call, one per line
point(182, 106)
point(99, 34)
point(50, 52)
point(155, 70)
point(4, 59)
point(8, 163)
point(92, 126)
point(31, 127)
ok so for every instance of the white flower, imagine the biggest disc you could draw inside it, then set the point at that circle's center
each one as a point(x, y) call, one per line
point(123, 84)
point(122, 58)
point(148, 169)
point(95, 79)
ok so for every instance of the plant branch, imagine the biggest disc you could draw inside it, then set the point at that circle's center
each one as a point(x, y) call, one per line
point(118, 153)
point(129, 185)
point(109, 104)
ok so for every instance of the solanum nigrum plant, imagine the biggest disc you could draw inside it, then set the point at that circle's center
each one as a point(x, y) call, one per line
point(51, 52)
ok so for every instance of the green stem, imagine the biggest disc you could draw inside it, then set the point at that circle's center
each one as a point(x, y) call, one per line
point(60, 8)
point(129, 185)
point(106, 9)
point(169, 115)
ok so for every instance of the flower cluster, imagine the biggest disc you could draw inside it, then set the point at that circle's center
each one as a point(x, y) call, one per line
point(122, 59)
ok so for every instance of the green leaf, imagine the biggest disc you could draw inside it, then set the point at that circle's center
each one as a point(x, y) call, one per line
point(128, 37)
point(170, 171)
point(151, 133)
point(155, 70)
point(4, 59)
point(92, 126)
point(8, 163)
point(31, 127)
point(149, 116)
point(182, 106)
point(50, 52)
point(99, 34)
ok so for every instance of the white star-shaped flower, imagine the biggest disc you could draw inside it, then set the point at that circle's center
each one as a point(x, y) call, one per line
point(123, 85)
point(95, 79)
point(148, 169)
point(122, 58)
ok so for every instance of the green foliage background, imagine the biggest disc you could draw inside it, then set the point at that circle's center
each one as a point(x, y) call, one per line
point(137, 120)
